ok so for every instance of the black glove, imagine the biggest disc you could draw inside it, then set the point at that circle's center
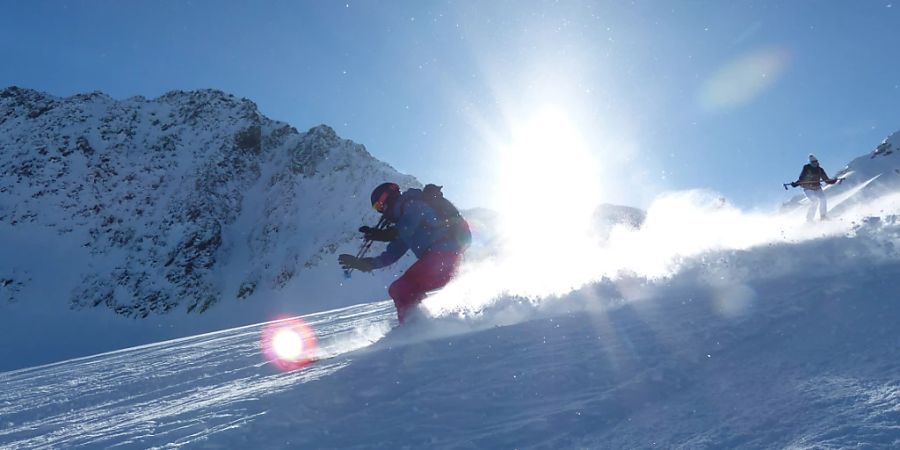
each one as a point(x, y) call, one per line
point(374, 234)
point(351, 262)
point(793, 184)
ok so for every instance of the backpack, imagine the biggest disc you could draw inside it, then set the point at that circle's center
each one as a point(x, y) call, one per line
point(448, 215)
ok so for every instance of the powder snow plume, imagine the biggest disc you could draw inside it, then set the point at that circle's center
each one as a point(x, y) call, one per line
point(679, 228)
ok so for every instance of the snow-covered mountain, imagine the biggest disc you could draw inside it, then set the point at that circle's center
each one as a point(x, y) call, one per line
point(867, 177)
point(176, 202)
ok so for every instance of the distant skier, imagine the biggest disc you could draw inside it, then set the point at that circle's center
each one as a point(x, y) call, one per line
point(425, 222)
point(810, 180)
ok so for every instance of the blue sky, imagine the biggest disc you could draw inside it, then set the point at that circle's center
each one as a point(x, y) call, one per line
point(728, 96)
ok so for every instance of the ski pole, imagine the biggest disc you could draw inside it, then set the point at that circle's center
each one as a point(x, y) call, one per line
point(803, 183)
point(367, 244)
point(812, 183)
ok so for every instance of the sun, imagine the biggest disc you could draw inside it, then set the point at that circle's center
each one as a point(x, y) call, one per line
point(548, 189)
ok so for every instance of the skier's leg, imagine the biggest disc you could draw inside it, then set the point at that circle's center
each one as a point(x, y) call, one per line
point(823, 205)
point(442, 266)
point(432, 271)
point(406, 290)
point(813, 203)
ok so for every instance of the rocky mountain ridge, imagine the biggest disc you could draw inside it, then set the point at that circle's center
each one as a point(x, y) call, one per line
point(163, 193)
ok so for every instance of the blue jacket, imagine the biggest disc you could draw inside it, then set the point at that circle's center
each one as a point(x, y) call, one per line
point(418, 229)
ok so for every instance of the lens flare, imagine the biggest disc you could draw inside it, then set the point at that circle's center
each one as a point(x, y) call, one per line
point(744, 79)
point(289, 344)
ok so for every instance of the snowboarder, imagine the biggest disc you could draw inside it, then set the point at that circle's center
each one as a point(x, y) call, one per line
point(423, 221)
point(810, 180)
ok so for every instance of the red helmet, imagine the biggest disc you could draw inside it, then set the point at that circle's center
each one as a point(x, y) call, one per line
point(383, 194)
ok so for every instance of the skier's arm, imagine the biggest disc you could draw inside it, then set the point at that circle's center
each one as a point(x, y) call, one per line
point(409, 221)
point(394, 251)
point(825, 177)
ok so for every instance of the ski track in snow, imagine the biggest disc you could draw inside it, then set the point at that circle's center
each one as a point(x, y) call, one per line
point(175, 392)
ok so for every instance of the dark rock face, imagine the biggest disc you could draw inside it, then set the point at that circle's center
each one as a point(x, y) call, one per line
point(313, 149)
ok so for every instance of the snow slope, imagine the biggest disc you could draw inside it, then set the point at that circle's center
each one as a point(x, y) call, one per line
point(792, 344)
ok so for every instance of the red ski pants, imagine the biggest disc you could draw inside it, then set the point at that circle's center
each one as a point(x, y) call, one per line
point(430, 272)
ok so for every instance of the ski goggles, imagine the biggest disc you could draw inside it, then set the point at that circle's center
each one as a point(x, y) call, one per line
point(381, 204)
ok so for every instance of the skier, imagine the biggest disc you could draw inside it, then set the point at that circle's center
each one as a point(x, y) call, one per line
point(810, 179)
point(425, 222)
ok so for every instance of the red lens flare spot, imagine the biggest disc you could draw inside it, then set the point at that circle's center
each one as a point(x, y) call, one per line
point(289, 344)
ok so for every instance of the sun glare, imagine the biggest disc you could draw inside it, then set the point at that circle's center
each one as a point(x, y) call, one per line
point(548, 189)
